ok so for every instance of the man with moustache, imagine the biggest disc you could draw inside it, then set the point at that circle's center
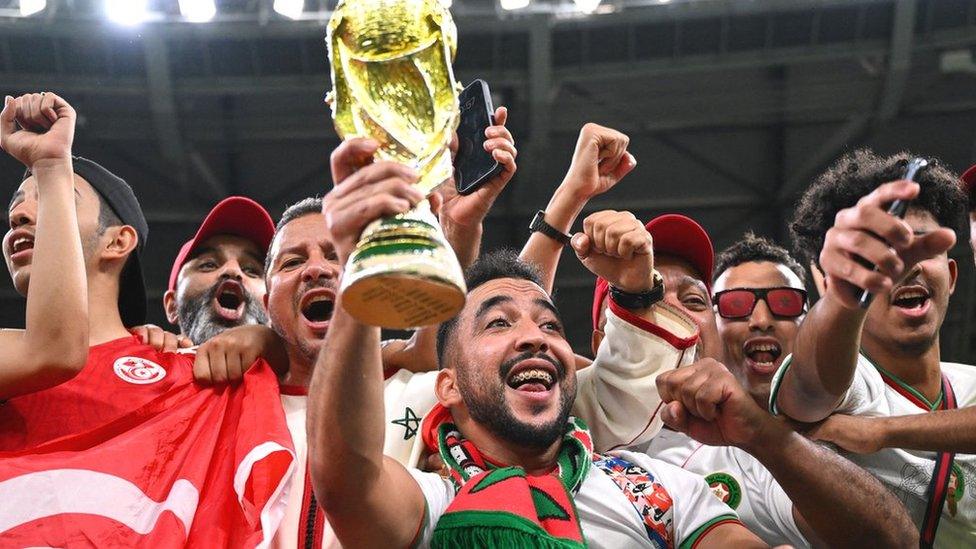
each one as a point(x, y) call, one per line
point(736, 477)
point(885, 360)
point(217, 279)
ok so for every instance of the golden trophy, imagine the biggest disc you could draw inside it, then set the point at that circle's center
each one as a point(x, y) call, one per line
point(393, 82)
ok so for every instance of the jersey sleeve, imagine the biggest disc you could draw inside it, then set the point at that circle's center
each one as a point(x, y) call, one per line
point(617, 395)
point(864, 396)
point(773, 519)
point(438, 494)
point(696, 509)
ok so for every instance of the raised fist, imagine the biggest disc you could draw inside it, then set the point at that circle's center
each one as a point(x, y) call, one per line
point(616, 246)
point(37, 127)
point(599, 161)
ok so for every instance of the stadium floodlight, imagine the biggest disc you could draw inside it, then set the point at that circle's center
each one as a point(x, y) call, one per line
point(127, 12)
point(291, 9)
point(513, 4)
point(198, 11)
point(30, 7)
point(587, 6)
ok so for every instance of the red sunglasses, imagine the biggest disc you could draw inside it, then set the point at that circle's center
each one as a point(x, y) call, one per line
point(740, 302)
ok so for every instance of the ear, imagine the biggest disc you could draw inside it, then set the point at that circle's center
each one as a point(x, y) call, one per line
point(953, 275)
point(123, 241)
point(446, 389)
point(169, 305)
point(596, 338)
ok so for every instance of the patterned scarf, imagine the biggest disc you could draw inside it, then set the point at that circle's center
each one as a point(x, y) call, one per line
point(502, 506)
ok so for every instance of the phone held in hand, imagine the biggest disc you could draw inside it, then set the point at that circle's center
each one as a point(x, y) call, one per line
point(473, 165)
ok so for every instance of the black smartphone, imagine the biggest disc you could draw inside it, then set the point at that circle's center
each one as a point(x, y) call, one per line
point(473, 165)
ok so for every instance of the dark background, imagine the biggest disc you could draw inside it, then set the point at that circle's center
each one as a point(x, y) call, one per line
point(732, 106)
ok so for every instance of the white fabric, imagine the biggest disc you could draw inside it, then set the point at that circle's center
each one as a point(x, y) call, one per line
point(607, 517)
point(762, 504)
point(907, 472)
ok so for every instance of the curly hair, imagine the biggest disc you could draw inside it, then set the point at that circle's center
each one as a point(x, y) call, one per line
point(857, 174)
point(756, 248)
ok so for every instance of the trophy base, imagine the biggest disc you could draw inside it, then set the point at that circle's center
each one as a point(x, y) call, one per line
point(403, 274)
point(401, 301)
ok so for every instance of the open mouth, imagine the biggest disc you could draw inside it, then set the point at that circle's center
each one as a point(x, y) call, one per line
point(317, 306)
point(21, 244)
point(229, 300)
point(532, 376)
point(910, 298)
point(763, 353)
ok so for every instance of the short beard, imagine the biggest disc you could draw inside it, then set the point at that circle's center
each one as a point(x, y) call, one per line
point(199, 322)
point(486, 405)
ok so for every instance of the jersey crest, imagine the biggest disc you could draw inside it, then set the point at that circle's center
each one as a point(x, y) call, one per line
point(138, 371)
point(725, 488)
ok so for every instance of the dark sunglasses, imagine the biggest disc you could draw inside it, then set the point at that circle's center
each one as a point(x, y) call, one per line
point(739, 302)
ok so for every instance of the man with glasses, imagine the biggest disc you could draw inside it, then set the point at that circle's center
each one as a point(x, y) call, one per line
point(759, 303)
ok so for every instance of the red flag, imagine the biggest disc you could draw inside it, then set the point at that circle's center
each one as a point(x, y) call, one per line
point(195, 466)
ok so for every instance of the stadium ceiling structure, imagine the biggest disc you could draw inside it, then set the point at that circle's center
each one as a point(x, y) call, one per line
point(733, 106)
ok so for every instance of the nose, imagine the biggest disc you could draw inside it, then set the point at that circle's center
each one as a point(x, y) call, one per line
point(21, 215)
point(315, 270)
point(761, 318)
point(531, 339)
point(232, 269)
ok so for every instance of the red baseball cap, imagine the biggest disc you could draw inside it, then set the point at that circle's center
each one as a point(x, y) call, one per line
point(673, 234)
point(969, 180)
point(235, 215)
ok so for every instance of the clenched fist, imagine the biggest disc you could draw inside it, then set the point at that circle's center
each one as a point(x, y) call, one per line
point(600, 161)
point(616, 246)
point(37, 127)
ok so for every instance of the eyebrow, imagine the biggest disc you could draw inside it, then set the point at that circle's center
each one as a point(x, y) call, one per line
point(490, 303)
point(546, 304)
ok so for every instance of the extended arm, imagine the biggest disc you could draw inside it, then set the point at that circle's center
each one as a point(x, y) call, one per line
point(942, 431)
point(54, 345)
point(825, 352)
point(835, 501)
point(370, 500)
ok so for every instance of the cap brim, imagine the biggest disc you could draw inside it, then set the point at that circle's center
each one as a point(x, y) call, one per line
point(236, 215)
point(969, 180)
point(683, 237)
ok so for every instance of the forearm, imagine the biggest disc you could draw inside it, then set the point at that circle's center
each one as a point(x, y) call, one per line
point(561, 212)
point(345, 411)
point(57, 301)
point(943, 431)
point(838, 503)
point(466, 241)
point(823, 363)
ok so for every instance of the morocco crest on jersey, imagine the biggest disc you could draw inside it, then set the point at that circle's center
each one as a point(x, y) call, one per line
point(195, 467)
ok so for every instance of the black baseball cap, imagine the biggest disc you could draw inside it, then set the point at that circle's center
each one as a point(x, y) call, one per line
point(119, 196)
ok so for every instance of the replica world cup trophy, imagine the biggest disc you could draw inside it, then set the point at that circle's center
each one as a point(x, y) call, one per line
point(393, 82)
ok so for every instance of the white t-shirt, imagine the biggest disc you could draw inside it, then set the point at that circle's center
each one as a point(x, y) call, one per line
point(907, 473)
point(737, 479)
point(607, 517)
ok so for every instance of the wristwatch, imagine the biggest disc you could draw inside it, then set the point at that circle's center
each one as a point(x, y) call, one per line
point(641, 300)
point(539, 224)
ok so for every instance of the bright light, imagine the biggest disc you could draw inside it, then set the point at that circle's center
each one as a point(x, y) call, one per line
point(198, 11)
point(30, 7)
point(514, 4)
point(291, 9)
point(587, 6)
point(127, 12)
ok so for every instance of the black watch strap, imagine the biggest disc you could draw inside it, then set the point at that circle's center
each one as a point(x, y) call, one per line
point(642, 300)
point(539, 224)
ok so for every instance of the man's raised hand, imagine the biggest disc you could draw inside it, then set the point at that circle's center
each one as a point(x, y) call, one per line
point(37, 127)
point(364, 192)
point(866, 230)
point(600, 161)
point(616, 246)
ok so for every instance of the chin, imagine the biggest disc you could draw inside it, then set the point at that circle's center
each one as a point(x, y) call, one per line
point(21, 280)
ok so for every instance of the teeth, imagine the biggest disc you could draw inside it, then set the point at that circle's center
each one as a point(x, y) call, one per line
point(540, 375)
point(21, 241)
point(768, 347)
point(912, 295)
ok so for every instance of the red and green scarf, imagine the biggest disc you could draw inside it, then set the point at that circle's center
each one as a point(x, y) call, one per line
point(502, 506)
